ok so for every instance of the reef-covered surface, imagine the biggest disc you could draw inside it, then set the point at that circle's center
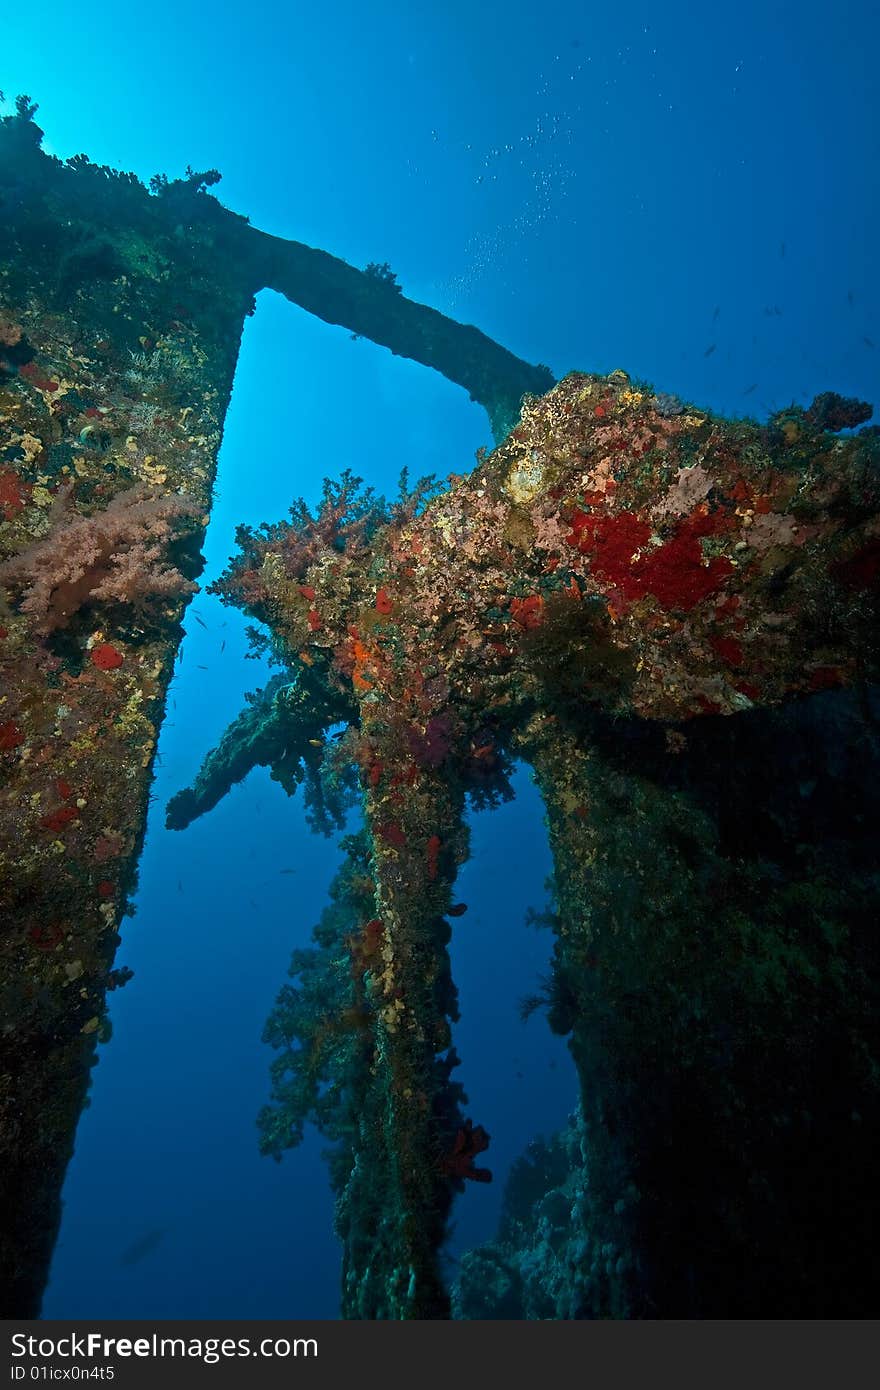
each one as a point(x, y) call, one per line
point(118, 339)
point(121, 311)
point(543, 1263)
point(719, 987)
point(660, 611)
point(670, 616)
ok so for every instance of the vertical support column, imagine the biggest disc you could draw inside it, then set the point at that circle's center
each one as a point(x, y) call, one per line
point(116, 364)
point(393, 1214)
point(716, 897)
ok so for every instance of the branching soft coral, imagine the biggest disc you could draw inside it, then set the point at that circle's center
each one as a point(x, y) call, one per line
point(320, 1025)
point(345, 523)
point(113, 556)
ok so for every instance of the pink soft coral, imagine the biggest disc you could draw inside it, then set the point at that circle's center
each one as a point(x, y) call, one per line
point(113, 556)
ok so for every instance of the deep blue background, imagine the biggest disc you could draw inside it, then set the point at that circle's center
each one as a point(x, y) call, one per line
point(595, 186)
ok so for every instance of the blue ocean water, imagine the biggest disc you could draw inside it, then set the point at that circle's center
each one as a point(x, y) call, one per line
point(691, 194)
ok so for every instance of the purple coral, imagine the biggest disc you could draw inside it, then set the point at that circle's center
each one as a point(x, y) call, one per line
point(114, 555)
point(432, 747)
point(667, 405)
point(831, 411)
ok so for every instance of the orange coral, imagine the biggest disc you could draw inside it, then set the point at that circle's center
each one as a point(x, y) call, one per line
point(106, 657)
point(10, 736)
point(470, 1140)
point(433, 854)
point(527, 611)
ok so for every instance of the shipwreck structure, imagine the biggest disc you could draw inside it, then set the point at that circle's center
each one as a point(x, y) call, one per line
point(671, 617)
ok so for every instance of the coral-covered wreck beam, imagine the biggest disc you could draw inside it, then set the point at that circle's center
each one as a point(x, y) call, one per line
point(698, 565)
point(415, 821)
point(117, 353)
point(369, 303)
point(372, 1012)
point(618, 571)
point(715, 967)
point(277, 729)
point(617, 548)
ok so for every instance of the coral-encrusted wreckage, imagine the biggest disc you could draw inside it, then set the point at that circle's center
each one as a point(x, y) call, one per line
point(672, 618)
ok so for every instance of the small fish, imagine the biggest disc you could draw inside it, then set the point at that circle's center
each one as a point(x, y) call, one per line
point(850, 298)
point(709, 350)
point(287, 871)
point(715, 313)
point(201, 622)
point(868, 342)
point(223, 646)
point(139, 1249)
point(180, 885)
point(749, 389)
point(201, 668)
point(316, 742)
point(782, 250)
